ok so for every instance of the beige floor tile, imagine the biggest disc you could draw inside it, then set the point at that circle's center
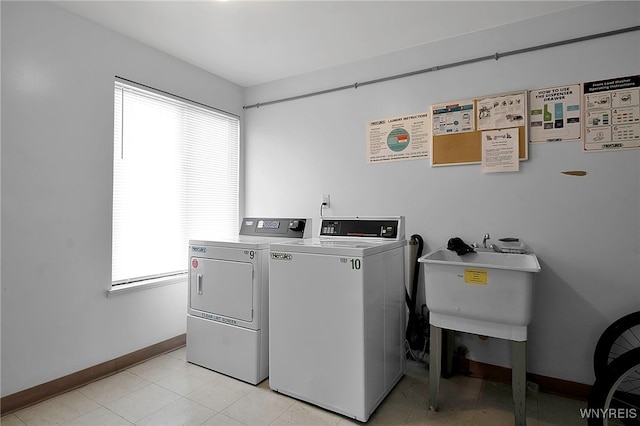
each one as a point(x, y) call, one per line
point(158, 368)
point(417, 371)
point(556, 410)
point(11, 420)
point(345, 421)
point(168, 390)
point(561, 422)
point(196, 370)
point(395, 409)
point(493, 393)
point(182, 412)
point(141, 403)
point(259, 407)
point(493, 416)
point(410, 391)
point(222, 420)
point(98, 417)
point(186, 381)
point(301, 413)
point(220, 393)
point(113, 387)
point(548, 402)
point(560, 418)
point(180, 354)
point(422, 416)
point(459, 393)
point(58, 410)
point(390, 415)
point(264, 384)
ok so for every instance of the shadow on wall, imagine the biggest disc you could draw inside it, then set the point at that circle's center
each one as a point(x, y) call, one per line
point(556, 299)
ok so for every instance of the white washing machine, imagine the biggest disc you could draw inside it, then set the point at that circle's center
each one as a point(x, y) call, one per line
point(336, 314)
point(228, 318)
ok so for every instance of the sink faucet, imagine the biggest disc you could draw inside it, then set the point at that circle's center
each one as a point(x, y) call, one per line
point(484, 240)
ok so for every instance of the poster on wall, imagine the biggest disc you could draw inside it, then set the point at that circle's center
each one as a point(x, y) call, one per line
point(612, 114)
point(555, 114)
point(500, 151)
point(457, 128)
point(456, 117)
point(398, 138)
point(501, 112)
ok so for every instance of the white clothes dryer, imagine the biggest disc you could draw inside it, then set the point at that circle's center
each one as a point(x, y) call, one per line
point(336, 312)
point(227, 318)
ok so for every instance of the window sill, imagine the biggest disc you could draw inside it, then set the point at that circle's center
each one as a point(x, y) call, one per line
point(117, 290)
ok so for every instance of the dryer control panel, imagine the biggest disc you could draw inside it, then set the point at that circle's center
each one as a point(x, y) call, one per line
point(276, 227)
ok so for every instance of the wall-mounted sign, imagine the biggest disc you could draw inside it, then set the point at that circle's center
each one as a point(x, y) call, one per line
point(453, 117)
point(398, 138)
point(459, 127)
point(503, 111)
point(500, 150)
point(612, 114)
point(555, 114)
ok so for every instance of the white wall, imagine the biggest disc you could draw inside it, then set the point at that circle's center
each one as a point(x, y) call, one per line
point(57, 137)
point(585, 230)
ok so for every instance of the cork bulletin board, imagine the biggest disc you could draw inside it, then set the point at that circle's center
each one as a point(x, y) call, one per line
point(457, 126)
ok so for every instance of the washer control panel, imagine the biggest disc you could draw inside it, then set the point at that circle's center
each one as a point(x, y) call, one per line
point(392, 228)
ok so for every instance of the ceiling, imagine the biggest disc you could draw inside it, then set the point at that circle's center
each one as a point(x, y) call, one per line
point(253, 42)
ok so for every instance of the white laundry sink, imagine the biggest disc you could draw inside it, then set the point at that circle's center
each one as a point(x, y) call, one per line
point(486, 292)
point(485, 259)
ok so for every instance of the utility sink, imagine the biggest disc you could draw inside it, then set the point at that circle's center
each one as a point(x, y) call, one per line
point(485, 292)
point(485, 258)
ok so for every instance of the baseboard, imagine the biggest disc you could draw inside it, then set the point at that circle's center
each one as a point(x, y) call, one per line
point(78, 379)
point(545, 384)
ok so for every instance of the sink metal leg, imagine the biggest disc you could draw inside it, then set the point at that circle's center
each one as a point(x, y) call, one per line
point(519, 381)
point(435, 359)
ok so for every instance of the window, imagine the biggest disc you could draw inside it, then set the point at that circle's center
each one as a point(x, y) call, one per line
point(175, 178)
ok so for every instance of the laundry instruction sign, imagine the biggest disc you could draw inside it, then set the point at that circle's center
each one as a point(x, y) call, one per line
point(612, 114)
point(555, 114)
point(398, 138)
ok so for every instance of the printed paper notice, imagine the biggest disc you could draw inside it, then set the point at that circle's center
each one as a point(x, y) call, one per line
point(501, 112)
point(555, 114)
point(449, 118)
point(398, 138)
point(612, 114)
point(500, 151)
point(475, 276)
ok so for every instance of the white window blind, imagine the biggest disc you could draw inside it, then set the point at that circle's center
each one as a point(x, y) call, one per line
point(175, 178)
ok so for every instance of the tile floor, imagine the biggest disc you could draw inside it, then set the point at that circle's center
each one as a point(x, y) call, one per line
point(167, 390)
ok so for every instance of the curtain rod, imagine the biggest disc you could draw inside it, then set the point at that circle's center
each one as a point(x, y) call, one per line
point(173, 95)
point(495, 56)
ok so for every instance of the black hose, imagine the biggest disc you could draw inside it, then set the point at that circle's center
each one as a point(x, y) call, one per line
point(411, 299)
